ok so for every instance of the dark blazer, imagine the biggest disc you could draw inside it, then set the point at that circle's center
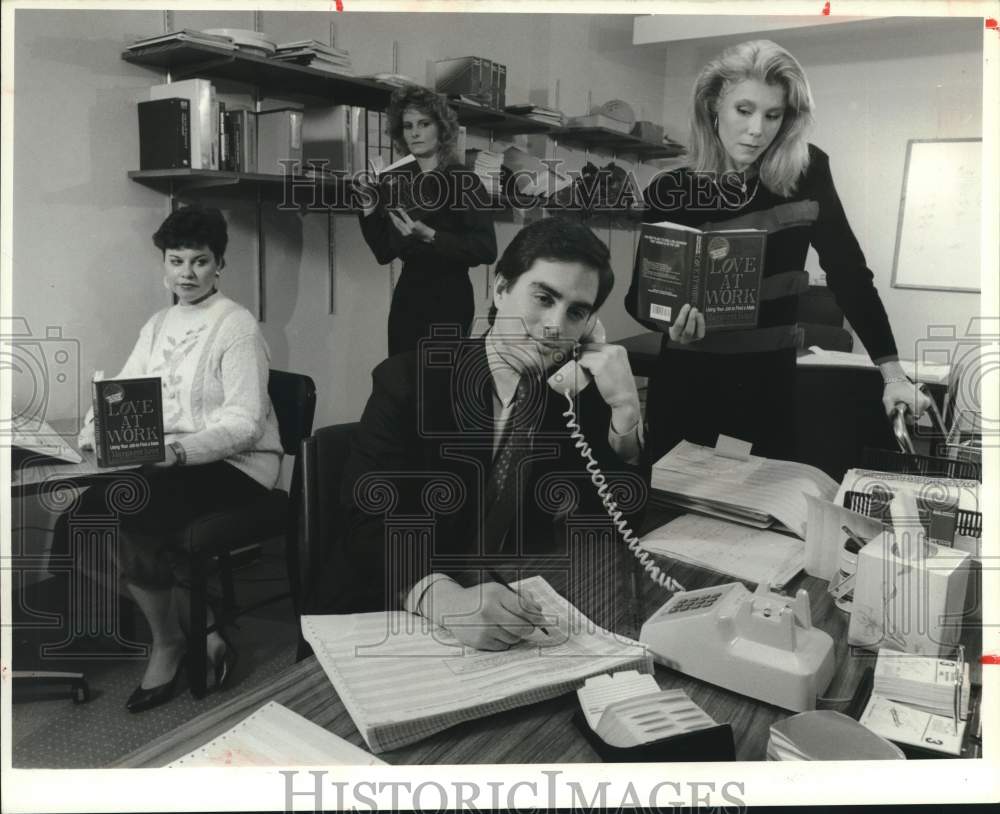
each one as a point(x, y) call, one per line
point(412, 495)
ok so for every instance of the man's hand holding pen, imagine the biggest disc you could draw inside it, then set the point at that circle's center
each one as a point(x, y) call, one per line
point(489, 616)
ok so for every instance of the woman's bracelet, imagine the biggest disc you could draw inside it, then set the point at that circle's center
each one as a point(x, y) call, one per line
point(897, 379)
point(179, 453)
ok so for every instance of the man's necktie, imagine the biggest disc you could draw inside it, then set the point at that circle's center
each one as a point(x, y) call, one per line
point(501, 487)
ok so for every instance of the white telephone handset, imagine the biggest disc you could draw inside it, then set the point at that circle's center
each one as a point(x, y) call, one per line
point(569, 380)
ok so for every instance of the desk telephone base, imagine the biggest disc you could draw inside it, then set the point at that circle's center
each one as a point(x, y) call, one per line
point(759, 644)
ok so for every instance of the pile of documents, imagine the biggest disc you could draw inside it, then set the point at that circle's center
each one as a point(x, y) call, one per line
point(486, 164)
point(184, 35)
point(530, 175)
point(931, 683)
point(753, 555)
point(827, 735)
point(729, 483)
point(316, 55)
point(540, 113)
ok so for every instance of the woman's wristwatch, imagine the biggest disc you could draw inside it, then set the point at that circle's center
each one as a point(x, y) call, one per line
point(179, 453)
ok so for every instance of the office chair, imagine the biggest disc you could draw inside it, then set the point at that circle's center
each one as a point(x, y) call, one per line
point(323, 458)
point(221, 541)
point(822, 320)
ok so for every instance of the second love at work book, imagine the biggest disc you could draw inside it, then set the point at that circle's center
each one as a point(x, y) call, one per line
point(128, 421)
point(403, 679)
point(718, 272)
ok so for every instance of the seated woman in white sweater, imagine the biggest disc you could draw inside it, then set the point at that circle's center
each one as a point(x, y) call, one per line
point(222, 443)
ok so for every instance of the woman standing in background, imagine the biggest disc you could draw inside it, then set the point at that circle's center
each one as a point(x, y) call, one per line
point(751, 167)
point(438, 225)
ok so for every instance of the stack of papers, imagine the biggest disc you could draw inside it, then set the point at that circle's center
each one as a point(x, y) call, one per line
point(930, 372)
point(44, 440)
point(540, 113)
point(403, 679)
point(827, 735)
point(184, 35)
point(933, 684)
point(486, 164)
point(532, 177)
point(746, 489)
point(316, 54)
point(752, 555)
point(276, 736)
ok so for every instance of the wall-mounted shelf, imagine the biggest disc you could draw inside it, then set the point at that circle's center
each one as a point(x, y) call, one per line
point(307, 85)
point(604, 138)
point(500, 122)
point(298, 82)
point(296, 190)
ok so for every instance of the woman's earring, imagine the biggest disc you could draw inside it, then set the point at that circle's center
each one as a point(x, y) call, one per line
point(715, 122)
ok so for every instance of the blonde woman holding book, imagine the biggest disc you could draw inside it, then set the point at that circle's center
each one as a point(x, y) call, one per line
point(221, 435)
point(751, 166)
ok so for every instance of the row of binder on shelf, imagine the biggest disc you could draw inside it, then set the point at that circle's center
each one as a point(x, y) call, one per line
point(183, 125)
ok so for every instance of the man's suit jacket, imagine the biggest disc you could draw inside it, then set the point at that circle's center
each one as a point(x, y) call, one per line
point(412, 497)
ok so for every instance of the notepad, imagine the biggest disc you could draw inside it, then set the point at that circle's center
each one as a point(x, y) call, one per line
point(757, 489)
point(911, 726)
point(754, 555)
point(276, 736)
point(403, 679)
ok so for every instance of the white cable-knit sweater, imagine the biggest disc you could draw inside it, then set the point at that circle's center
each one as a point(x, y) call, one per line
point(213, 363)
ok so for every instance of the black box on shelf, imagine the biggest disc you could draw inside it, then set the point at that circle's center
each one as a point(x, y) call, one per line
point(165, 134)
point(463, 76)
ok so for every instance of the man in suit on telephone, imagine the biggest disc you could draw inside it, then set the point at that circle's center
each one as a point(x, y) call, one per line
point(463, 461)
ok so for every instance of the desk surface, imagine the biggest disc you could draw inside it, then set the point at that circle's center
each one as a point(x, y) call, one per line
point(37, 470)
point(543, 732)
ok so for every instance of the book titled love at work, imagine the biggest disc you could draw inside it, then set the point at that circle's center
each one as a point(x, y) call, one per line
point(718, 272)
point(128, 421)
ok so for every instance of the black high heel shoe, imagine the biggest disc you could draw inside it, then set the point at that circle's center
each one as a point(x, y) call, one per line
point(142, 699)
point(224, 667)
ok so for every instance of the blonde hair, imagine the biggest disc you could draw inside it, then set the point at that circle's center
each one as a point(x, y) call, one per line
point(787, 157)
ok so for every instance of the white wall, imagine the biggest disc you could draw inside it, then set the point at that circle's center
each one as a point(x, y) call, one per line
point(876, 84)
point(83, 260)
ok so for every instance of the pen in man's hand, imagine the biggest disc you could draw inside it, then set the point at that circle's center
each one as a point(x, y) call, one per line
point(501, 581)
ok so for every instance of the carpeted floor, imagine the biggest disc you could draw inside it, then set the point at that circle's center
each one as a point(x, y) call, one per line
point(50, 731)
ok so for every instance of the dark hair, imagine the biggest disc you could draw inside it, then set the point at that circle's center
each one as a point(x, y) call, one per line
point(430, 104)
point(192, 228)
point(556, 238)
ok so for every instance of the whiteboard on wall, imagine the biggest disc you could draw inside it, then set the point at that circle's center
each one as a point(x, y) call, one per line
point(937, 239)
